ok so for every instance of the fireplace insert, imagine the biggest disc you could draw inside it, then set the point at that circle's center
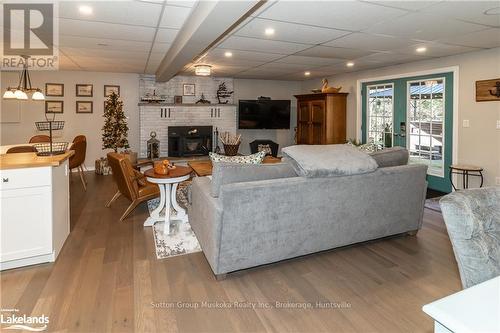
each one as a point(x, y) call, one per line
point(189, 140)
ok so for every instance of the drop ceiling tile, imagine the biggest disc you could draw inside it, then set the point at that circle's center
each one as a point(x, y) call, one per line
point(261, 45)
point(244, 55)
point(166, 35)
point(160, 48)
point(488, 38)
point(105, 53)
point(314, 61)
point(471, 11)
point(388, 58)
point(105, 30)
point(100, 43)
point(348, 15)
point(406, 5)
point(334, 52)
point(364, 41)
point(123, 12)
point(436, 49)
point(289, 32)
point(174, 17)
point(182, 3)
point(223, 61)
point(424, 27)
point(289, 68)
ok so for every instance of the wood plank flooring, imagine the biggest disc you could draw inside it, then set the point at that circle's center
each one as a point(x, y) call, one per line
point(107, 279)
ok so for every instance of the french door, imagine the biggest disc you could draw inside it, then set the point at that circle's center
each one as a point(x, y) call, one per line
point(416, 113)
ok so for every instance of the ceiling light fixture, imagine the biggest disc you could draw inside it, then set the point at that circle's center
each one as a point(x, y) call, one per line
point(421, 49)
point(307, 73)
point(350, 64)
point(203, 70)
point(269, 31)
point(24, 87)
point(85, 10)
point(228, 54)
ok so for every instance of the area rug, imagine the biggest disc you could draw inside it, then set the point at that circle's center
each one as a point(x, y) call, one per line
point(433, 204)
point(181, 239)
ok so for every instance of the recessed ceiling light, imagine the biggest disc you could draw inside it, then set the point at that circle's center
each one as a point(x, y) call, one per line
point(228, 54)
point(421, 49)
point(269, 31)
point(307, 73)
point(350, 64)
point(85, 10)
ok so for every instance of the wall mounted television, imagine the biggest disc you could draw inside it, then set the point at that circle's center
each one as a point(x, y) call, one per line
point(264, 114)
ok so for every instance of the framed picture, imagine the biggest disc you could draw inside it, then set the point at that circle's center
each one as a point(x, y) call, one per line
point(488, 90)
point(54, 106)
point(108, 90)
point(84, 90)
point(177, 99)
point(54, 89)
point(188, 89)
point(84, 107)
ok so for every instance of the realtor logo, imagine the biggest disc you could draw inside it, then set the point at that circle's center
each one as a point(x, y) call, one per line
point(29, 30)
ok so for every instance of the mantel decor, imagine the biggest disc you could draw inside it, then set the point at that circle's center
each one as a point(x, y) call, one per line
point(488, 90)
point(223, 93)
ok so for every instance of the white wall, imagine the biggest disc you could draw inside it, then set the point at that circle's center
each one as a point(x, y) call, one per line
point(87, 124)
point(480, 143)
point(252, 89)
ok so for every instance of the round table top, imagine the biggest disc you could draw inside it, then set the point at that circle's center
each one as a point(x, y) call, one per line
point(465, 167)
point(179, 171)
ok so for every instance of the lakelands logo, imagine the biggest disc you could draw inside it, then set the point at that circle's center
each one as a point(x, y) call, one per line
point(23, 322)
point(30, 29)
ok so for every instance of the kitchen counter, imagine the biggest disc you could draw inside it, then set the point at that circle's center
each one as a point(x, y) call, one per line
point(31, 160)
point(35, 214)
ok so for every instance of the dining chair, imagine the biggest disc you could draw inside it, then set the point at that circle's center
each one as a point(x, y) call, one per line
point(131, 183)
point(77, 160)
point(40, 139)
point(21, 149)
point(80, 138)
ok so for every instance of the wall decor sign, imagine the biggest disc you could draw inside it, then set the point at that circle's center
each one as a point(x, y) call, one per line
point(54, 89)
point(188, 89)
point(109, 89)
point(488, 90)
point(84, 107)
point(84, 90)
point(54, 106)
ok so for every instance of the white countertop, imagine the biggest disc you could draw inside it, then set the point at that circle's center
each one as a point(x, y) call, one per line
point(475, 309)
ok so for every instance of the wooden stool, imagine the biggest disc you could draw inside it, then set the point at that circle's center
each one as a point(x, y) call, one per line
point(465, 171)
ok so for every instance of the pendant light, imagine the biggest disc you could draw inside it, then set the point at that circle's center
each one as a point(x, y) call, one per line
point(24, 87)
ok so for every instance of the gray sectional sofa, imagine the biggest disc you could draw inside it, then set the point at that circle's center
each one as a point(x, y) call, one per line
point(250, 215)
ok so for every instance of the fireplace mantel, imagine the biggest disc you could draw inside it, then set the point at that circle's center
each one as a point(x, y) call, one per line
point(158, 117)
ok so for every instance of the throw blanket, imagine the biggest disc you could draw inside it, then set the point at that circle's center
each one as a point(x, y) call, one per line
point(328, 160)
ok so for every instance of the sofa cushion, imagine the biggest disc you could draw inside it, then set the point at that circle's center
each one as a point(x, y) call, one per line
point(390, 157)
point(248, 159)
point(228, 173)
point(328, 160)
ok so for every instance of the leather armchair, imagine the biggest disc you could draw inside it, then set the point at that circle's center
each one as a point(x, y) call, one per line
point(131, 183)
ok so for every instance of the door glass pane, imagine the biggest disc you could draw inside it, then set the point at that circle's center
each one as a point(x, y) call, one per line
point(425, 116)
point(380, 114)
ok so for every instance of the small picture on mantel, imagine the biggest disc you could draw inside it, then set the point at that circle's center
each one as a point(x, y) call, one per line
point(177, 99)
point(188, 89)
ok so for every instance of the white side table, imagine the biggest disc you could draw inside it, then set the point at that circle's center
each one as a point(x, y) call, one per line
point(475, 309)
point(168, 196)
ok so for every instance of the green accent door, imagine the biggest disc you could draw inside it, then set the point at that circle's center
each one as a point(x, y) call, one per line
point(416, 113)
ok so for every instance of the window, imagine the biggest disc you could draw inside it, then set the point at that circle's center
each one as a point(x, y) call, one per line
point(426, 124)
point(380, 114)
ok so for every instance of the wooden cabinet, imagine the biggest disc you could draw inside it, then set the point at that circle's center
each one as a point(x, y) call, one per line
point(321, 118)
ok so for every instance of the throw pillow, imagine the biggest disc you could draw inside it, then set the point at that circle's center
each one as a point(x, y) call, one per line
point(265, 148)
point(248, 159)
point(229, 173)
point(390, 157)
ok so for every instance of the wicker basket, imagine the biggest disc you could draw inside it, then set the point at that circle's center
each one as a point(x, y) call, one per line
point(231, 150)
point(45, 149)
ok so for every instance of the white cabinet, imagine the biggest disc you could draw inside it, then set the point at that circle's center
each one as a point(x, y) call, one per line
point(34, 213)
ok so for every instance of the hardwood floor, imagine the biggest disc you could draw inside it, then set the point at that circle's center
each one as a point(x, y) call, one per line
point(107, 278)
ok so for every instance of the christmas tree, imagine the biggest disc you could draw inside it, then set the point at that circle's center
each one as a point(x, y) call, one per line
point(115, 129)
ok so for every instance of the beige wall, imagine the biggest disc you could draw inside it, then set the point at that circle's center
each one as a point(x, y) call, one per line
point(478, 144)
point(88, 124)
point(252, 89)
